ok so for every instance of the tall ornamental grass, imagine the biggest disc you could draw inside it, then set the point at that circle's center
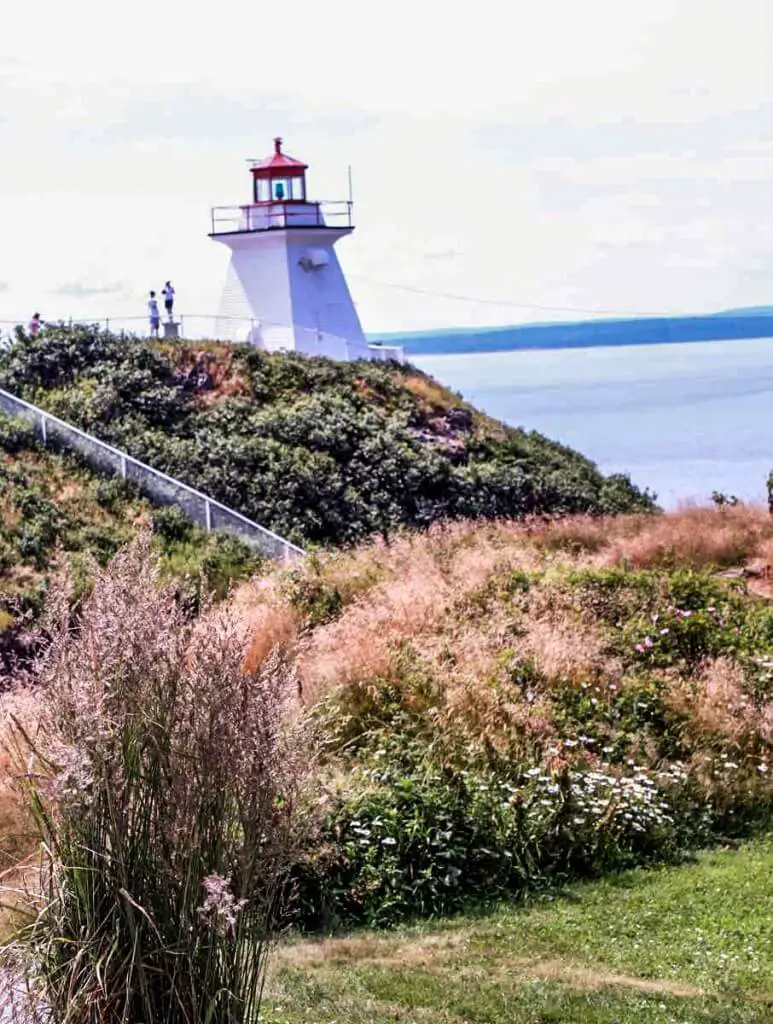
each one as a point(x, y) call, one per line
point(164, 783)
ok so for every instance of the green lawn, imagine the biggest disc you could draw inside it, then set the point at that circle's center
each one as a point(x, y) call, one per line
point(688, 945)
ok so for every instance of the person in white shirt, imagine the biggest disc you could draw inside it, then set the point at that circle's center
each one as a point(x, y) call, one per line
point(153, 315)
point(168, 293)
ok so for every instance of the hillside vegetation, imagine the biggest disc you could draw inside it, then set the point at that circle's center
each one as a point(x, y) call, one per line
point(424, 722)
point(496, 706)
point(318, 451)
point(54, 509)
point(503, 705)
point(458, 715)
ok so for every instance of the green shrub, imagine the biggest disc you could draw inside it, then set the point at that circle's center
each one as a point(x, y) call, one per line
point(317, 450)
point(309, 592)
point(15, 434)
point(112, 493)
point(624, 722)
point(205, 565)
point(171, 523)
point(411, 837)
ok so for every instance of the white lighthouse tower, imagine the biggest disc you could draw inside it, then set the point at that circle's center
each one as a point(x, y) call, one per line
point(284, 285)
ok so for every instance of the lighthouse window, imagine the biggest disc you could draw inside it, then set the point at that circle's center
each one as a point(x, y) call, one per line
point(280, 190)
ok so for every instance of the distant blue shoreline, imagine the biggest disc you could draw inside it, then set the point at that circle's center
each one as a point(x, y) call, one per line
point(730, 326)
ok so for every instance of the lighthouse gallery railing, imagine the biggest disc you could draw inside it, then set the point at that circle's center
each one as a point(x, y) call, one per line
point(251, 217)
point(160, 488)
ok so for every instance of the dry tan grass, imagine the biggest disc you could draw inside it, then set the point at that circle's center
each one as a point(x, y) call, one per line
point(421, 584)
point(360, 643)
point(432, 394)
point(448, 950)
point(70, 492)
point(272, 622)
point(580, 535)
point(436, 597)
point(217, 361)
point(17, 840)
point(694, 535)
point(20, 888)
point(568, 650)
point(718, 705)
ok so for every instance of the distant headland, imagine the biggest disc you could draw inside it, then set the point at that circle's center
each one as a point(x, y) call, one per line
point(728, 325)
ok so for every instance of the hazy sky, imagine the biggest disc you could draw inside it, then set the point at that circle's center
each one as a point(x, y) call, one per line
point(598, 154)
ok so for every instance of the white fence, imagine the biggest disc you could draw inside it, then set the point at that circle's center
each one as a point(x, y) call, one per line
point(159, 488)
point(264, 334)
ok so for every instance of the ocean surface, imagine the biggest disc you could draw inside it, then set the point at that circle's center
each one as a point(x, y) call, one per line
point(683, 419)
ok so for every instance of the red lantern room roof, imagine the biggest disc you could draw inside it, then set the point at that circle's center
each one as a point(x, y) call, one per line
point(279, 164)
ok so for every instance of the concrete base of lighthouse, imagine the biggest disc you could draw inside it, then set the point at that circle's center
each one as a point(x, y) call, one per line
point(285, 291)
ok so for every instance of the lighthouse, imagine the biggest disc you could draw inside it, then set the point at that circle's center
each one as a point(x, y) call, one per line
point(284, 285)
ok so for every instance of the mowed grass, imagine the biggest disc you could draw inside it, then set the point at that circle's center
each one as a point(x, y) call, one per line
point(687, 945)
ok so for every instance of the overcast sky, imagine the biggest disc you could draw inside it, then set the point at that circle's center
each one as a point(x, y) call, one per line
point(611, 155)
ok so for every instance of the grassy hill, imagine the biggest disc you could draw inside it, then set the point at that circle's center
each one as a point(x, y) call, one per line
point(497, 706)
point(316, 450)
point(54, 508)
point(480, 712)
point(503, 705)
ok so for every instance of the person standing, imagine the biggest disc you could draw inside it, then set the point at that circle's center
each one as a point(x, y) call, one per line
point(35, 325)
point(153, 315)
point(168, 293)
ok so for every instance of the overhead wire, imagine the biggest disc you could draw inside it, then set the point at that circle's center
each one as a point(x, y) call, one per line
point(515, 305)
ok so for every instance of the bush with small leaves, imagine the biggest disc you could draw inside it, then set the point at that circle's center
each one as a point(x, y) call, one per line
point(319, 451)
point(171, 523)
point(15, 434)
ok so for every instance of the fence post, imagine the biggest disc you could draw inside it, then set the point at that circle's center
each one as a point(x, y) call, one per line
point(207, 516)
point(107, 324)
point(123, 466)
point(43, 434)
point(182, 326)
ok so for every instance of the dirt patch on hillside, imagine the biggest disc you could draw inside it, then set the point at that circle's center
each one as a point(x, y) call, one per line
point(211, 375)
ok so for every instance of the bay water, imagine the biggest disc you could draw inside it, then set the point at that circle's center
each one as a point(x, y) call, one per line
point(684, 419)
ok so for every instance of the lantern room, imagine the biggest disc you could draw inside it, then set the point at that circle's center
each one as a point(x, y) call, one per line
point(279, 202)
point(279, 179)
